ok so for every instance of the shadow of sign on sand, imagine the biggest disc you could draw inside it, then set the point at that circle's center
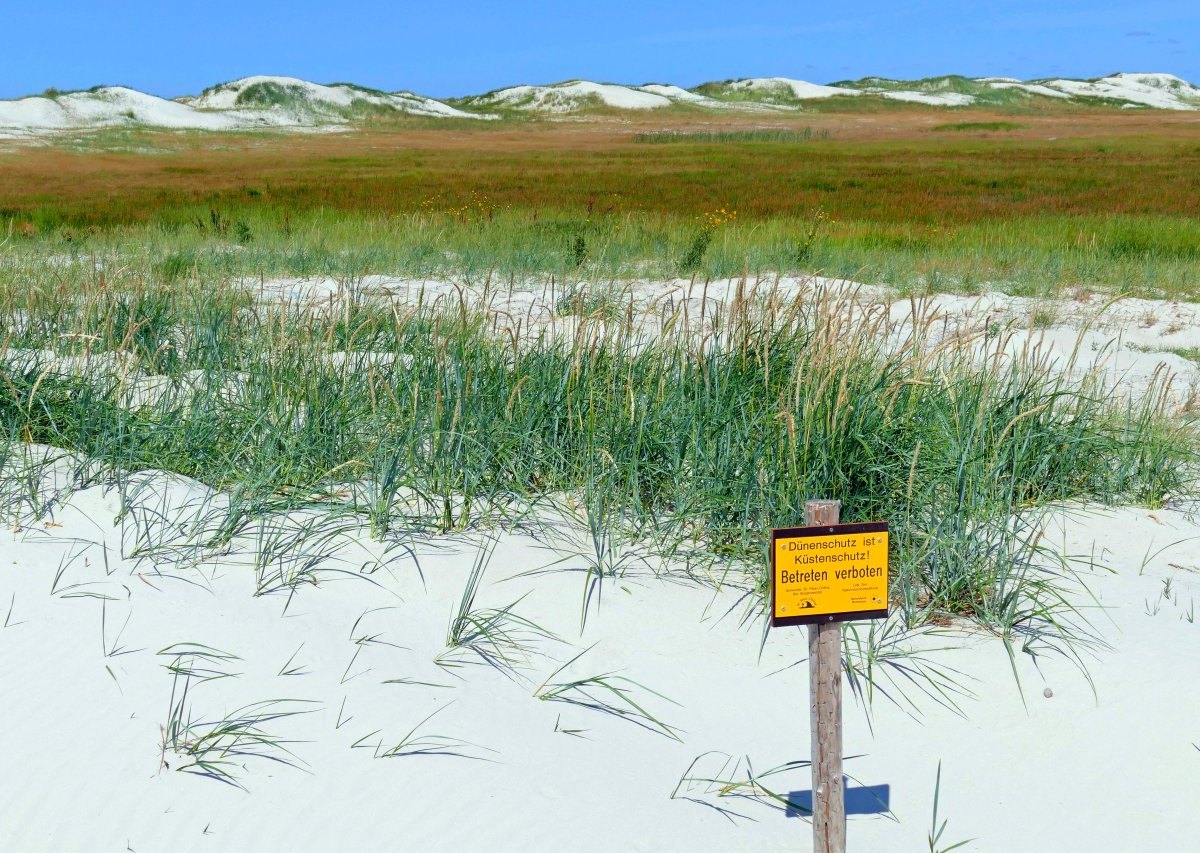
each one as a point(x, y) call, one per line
point(861, 799)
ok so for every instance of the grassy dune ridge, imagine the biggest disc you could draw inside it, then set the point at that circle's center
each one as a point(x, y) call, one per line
point(440, 418)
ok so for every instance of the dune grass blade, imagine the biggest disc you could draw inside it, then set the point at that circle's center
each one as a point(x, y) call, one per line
point(608, 693)
point(498, 637)
point(219, 749)
point(724, 783)
point(879, 658)
point(415, 743)
point(937, 830)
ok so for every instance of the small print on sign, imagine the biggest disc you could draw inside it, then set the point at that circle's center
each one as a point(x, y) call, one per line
point(832, 573)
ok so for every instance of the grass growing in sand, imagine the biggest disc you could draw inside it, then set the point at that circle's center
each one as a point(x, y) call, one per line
point(690, 433)
point(1151, 255)
point(609, 693)
point(498, 637)
point(219, 747)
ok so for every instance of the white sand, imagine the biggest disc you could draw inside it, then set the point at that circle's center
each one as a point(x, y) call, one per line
point(105, 108)
point(676, 92)
point(1031, 88)
point(805, 91)
point(1130, 343)
point(89, 694)
point(937, 99)
point(1163, 91)
point(86, 620)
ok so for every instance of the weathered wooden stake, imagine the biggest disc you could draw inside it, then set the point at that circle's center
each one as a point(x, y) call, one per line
point(825, 706)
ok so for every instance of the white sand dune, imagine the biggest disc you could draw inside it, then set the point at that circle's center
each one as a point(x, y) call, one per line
point(1161, 91)
point(1031, 88)
point(937, 99)
point(805, 91)
point(800, 89)
point(677, 93)
point(572, 95)
point(1130, 346)
point(283, 102)
point(349, 660)
point(315, 98)
point(575, 95)
point(265, 102)
point(106, 107)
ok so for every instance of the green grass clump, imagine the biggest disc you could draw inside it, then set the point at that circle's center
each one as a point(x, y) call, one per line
point(708, 137)
point(272, 94)
point(980, 125)
point(498, 637)
point(219, 748)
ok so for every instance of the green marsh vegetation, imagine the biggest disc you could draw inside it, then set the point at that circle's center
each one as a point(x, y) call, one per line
point(717, 136)
point(1032, 213)
point(1150, 256)
point(967, 126)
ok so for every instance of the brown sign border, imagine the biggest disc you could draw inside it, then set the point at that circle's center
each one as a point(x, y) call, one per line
point(821, 530)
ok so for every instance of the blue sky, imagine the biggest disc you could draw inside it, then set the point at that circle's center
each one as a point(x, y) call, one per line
point(454, 48)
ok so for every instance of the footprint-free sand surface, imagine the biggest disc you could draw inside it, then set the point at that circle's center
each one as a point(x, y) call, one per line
point(1108, 765)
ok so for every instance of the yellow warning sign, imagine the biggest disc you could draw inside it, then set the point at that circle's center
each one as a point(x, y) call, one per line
point(831, 573)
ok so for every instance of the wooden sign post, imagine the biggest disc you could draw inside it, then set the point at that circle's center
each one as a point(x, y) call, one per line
point(823, 574)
